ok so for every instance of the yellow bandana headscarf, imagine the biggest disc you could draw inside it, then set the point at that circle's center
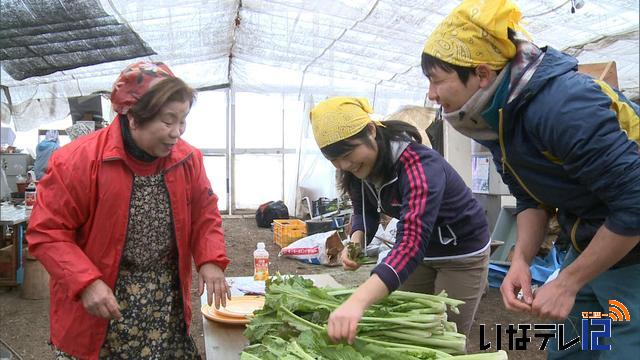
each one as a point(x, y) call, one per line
point(476, 33)
point(339, 118)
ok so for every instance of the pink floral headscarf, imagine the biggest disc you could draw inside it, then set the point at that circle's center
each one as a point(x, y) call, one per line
point(135, 81)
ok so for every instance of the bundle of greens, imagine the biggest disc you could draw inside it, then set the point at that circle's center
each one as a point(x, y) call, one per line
point(354, 252)
point(404, 326)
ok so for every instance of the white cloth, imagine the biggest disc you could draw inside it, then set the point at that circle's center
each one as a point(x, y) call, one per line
point(5, 192)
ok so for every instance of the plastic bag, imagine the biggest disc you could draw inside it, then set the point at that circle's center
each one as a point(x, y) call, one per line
point(270, 211)
point(383, 240)
point(319, 249)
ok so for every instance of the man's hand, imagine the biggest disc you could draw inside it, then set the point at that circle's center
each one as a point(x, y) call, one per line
point(216, 284)
point(518, 278)
point(98, 300)
point(555, 299)
point(531, 227)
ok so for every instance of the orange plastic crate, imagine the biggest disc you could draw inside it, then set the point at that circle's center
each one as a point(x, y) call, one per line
point(286, 231)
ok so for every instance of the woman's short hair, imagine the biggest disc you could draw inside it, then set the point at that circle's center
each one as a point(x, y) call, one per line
point(167, 90)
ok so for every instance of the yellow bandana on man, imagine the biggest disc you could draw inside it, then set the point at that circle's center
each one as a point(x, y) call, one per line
point(339, 118)
point(475, 33)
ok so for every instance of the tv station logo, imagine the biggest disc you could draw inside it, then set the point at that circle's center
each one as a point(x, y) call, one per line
point(617, 312)
point(595, 327)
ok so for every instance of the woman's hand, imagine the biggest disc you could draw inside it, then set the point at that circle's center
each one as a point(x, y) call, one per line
point(357, 238)
point(98, 300)
point(347, 263)
point(211, 275)
point(343, 322)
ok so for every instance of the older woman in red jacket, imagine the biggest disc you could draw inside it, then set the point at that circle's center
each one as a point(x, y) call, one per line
point(119, 215)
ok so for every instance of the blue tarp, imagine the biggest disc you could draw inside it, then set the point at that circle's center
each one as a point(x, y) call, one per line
point(541, 268)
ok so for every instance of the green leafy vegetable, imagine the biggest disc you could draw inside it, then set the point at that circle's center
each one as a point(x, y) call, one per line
point(403, 326)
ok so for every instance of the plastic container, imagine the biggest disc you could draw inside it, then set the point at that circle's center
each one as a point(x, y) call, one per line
point(286, 231)
point(22, 187)
point(260, 263)
point(504, 231)
point(320, 225)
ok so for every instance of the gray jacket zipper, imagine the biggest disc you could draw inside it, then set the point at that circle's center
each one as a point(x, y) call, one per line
point(364, 217)
point(377, 193)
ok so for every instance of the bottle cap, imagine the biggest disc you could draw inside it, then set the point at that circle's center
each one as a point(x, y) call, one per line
point(261, 245)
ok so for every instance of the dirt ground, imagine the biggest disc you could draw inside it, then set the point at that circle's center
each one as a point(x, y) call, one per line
point(24, 324)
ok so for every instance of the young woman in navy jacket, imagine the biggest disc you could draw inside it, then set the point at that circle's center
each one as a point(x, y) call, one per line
point(442, 238)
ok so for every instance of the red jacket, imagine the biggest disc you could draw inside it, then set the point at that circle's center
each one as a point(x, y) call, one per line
point(78, 226)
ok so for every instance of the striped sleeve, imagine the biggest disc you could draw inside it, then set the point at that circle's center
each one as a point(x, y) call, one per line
point(422, 188)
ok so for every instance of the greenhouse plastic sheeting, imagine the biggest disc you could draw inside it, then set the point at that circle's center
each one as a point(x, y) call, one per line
point(40, 38)
point(360, 47)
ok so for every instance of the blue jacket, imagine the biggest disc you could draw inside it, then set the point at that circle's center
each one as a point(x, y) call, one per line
point(561, 147)
point(438, 217)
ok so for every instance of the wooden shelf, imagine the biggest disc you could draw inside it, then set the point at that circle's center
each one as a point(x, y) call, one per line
point(605, 71)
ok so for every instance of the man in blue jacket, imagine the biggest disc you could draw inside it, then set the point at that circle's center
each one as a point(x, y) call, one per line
point(564, 143)
point(43, 152)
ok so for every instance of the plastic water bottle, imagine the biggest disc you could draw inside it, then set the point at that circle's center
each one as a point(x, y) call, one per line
point(30, 196)
point(260, 263)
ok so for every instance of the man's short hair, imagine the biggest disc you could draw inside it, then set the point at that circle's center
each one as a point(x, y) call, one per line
point(429, 63)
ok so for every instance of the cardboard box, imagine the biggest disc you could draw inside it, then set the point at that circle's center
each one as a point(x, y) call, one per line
point(7, 263)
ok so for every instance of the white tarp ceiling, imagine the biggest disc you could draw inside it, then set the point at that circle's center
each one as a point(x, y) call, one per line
point(364, 47)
